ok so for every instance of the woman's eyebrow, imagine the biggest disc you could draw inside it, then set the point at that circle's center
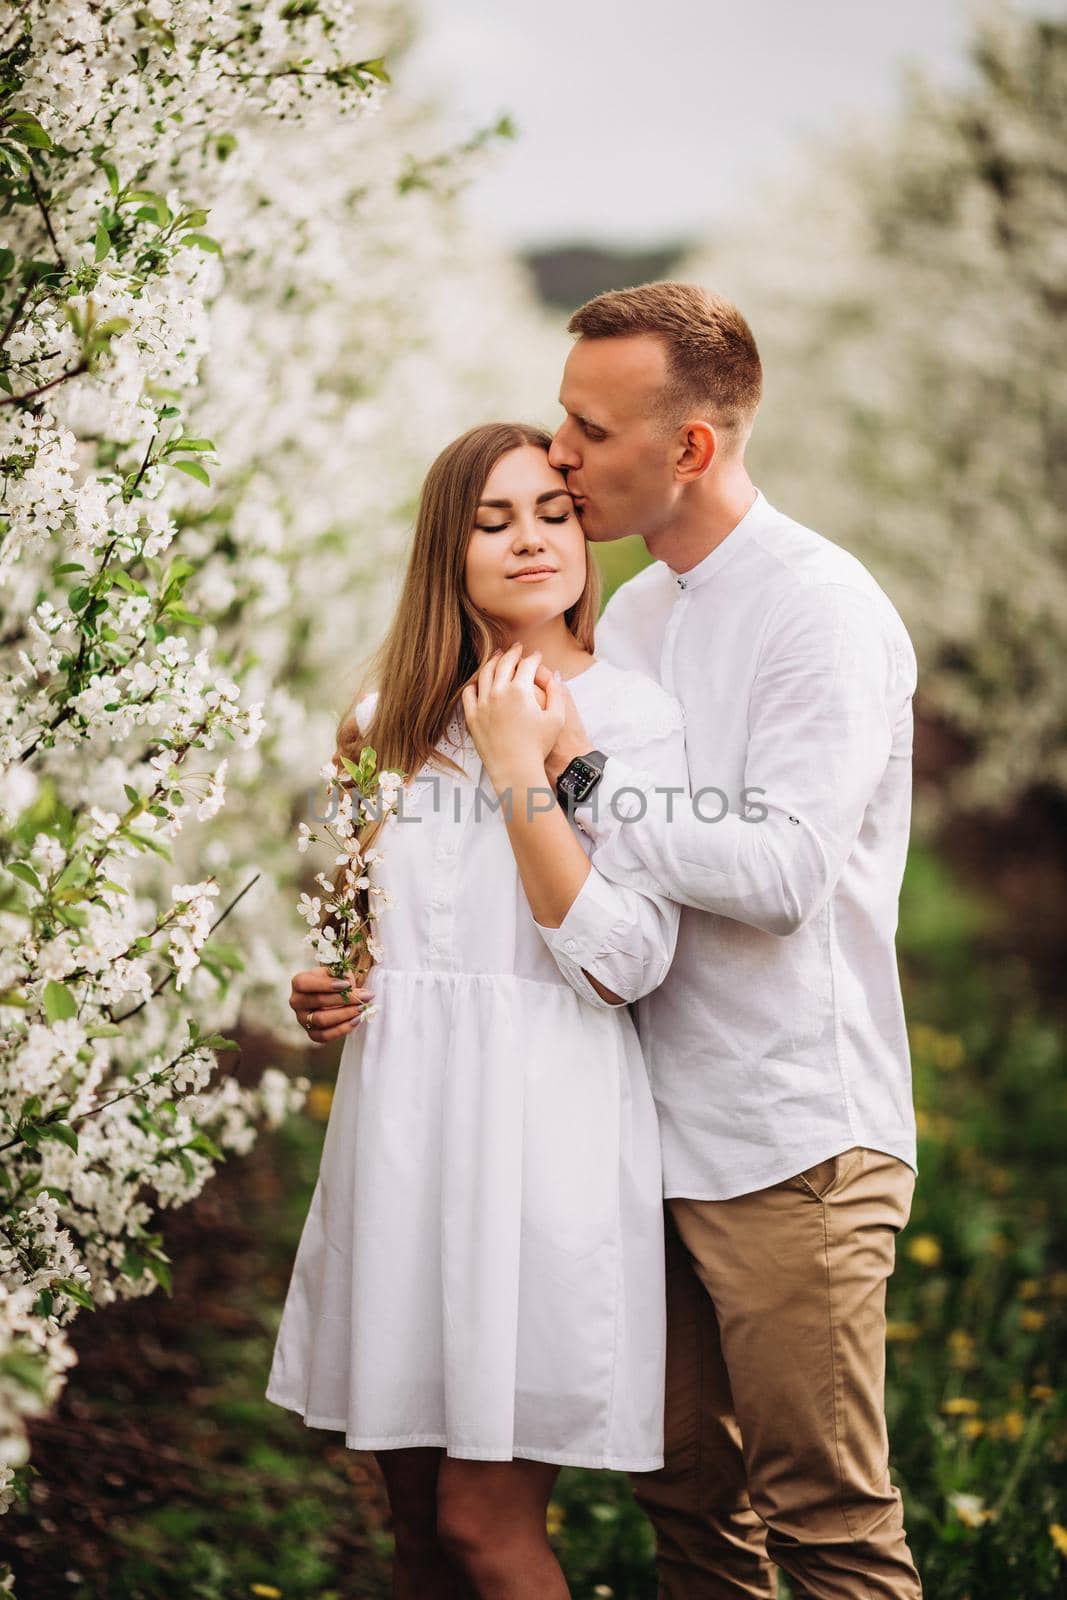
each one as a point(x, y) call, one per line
point(506, 505)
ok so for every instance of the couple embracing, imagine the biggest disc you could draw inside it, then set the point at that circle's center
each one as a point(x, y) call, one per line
point(613, 1176)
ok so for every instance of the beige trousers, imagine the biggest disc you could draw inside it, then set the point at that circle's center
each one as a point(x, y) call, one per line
point(776, 1446)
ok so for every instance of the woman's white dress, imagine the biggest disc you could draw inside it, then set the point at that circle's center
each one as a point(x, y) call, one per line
point(481, 1267)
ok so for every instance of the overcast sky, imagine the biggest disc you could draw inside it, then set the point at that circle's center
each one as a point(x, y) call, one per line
point(648, 120)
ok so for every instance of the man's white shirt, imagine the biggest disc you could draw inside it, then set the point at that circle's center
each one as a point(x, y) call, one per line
point(778, 1037)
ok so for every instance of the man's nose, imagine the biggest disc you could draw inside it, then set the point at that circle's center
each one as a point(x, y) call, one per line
point(559, 455)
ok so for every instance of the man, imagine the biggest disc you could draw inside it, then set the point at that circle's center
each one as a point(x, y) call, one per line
point(776, 1046)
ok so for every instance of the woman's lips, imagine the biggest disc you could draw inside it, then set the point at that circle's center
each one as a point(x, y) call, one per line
point(531, 577)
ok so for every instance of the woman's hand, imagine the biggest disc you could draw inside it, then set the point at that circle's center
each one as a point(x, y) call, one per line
point(333, 1004)
point(511, 727)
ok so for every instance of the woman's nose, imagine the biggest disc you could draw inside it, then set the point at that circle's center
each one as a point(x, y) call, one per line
point(529, 536)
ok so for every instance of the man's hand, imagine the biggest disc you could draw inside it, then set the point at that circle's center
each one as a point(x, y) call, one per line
point(511, 728)
point(334, 1005)
point(572, 739)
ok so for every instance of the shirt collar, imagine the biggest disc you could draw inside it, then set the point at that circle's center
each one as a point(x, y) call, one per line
point(684, 581)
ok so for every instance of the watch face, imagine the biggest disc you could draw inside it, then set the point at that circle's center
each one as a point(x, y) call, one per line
point(579, 778)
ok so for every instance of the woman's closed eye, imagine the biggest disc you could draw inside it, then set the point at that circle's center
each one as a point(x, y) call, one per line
point(499, 527)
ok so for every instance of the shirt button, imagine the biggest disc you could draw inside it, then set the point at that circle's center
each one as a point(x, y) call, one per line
point(570, 945)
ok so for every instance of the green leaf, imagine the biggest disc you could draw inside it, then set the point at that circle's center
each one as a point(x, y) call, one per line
point(374, 69)
point(103, 241)
point(203, 241)
point(143, 842)
point(109, 329)
point(152, 206)
point(23, 870)
point(61, 1131)
point(193, 468)
point(27, 130)
point(59, 1003)
point(112, 176)
point(28, 1370)
point(76, 1291)
point(103, 1030)
point(180, 614)
point(160, 1271)
point(124, 581)
point(7, 263)
point(206, 1146)
point(131, 794)
point(133, 1264)
point(215, 1041)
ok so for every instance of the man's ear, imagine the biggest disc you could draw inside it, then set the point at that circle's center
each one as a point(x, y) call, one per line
point(697, 445)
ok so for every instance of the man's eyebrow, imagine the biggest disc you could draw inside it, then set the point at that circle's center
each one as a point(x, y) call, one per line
point(506, 505)
point(586, 422)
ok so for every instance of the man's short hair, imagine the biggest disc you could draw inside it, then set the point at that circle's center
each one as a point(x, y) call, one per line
point(713, 365)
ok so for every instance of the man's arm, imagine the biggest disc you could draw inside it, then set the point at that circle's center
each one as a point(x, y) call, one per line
point(820, 738)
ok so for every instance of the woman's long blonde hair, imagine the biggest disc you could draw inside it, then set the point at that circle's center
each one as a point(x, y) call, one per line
point(438, 638)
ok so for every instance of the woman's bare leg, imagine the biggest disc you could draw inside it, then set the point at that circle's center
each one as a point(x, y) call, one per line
point(422, 1568)
point(491, 1518)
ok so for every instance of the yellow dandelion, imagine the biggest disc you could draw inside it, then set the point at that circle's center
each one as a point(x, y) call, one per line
point(1041, 1391)
point(554, 1518)
point(947, 1051)
point(960, 1406)
point(925, 1250)
point(997, 1244)
point(972, 1428)
point(902, 1331)
point(1030, 1320)
point(1011, 1426)
point(1058, 1285)
point(922, 1121)
point(1058, 1534)
point(319, 1101)
point(961, 1349)
point(1029, 1289)
point(267, 1590)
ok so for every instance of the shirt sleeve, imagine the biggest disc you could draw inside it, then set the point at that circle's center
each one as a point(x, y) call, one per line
point(830, 705)
point(623, 933)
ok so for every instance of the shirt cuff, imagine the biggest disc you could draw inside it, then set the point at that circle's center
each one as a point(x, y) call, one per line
point(581, 937)
point(621, 793)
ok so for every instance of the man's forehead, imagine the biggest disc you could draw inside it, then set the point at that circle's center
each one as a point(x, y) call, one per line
point(613, 379)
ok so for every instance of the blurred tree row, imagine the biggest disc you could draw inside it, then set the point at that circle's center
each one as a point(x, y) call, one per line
point(909, 296)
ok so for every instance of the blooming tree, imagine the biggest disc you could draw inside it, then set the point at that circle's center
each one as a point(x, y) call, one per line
point(906, 295)
point(237, 314)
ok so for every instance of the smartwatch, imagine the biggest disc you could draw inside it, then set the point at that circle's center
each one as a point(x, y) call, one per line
point(579, 778)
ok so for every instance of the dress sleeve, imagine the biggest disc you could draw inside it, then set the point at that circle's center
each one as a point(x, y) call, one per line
point(622, 932)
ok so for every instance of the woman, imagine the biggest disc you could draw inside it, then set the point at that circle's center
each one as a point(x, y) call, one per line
point(478, 1291)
